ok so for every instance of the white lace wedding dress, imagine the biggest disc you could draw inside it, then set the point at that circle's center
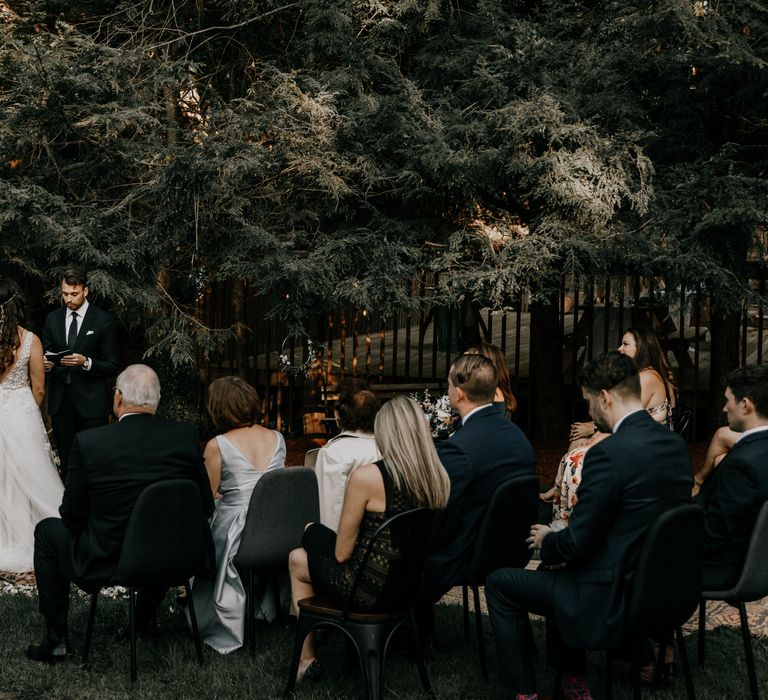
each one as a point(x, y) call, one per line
point(30, 487)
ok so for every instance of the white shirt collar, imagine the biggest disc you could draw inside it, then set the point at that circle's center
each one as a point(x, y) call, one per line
point(473, 411)
point(624, 417)
point(751, 431)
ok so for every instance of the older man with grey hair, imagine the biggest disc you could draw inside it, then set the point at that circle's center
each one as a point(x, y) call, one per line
point(109, 467)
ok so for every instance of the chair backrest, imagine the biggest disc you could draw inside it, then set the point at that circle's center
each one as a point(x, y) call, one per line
point(666, 586)
point(310, 458)
point(411, 532)
point(282, 503)
point(165, 540)
point(504, 528)
point(683, 423)
point(753, 582)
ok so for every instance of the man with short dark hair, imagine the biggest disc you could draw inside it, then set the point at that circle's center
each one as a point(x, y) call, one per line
point(355, 412)
point(484, 453)
point(733, 495)
point(628, 480)
point(109, 468)
point(78, 392)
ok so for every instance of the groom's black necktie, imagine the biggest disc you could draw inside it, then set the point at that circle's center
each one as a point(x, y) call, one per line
point(72, 333)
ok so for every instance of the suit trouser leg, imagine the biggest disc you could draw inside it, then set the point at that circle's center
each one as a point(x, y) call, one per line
point(511, 594)
point(66, 423)
point(52, 570)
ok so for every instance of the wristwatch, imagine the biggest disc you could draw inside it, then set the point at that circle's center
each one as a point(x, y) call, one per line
point(87, 364)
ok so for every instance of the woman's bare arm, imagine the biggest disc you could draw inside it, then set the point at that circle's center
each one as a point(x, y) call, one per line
point(722, 441)
point(212, 457)
point(36, 371)
point(365, 491)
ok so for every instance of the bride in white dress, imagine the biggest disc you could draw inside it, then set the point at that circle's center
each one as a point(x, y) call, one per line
point(30, 487)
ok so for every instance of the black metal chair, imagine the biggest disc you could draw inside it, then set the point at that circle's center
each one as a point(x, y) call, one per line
point(500, 543)
point(282, 503)
point(370, 632)
point(752, 585)
point(164, 546)
point(662, 595)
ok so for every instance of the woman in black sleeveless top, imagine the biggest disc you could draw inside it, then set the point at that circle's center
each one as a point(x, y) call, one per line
point(409, 475)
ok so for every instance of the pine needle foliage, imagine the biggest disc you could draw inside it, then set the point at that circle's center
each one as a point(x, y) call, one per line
point(332, 150)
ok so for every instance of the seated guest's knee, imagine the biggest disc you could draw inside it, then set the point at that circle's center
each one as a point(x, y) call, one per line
point(297, 559)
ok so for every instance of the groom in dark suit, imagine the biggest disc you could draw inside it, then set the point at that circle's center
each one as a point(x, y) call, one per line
point(78, 396)
point(737, 489)
point(628, 480)
point(109, 468)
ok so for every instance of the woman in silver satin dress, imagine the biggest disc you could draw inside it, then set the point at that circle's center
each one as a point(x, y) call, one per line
point(235, 461)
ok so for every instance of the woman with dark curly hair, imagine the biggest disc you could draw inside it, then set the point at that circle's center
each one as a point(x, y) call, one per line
point(30, 487)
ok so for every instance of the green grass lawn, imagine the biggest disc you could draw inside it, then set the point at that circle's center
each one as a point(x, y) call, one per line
point(170, 669)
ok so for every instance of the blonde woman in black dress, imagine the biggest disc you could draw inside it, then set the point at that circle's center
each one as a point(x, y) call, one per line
point(409, 475)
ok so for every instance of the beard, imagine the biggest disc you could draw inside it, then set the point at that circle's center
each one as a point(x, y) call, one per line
point(601, 421)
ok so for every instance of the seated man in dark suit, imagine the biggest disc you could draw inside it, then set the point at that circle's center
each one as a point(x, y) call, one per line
point(733, 495)
point(484, 453)
point(109, 467)
point(628, 480)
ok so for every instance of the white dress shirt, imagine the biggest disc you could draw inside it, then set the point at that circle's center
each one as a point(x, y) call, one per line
point(335, 461)
point(80, 317)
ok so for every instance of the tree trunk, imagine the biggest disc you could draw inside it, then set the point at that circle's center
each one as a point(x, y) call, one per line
point(725, 330)
point(546, 370)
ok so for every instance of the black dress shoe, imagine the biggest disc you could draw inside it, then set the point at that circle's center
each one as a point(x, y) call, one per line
point(47, 652)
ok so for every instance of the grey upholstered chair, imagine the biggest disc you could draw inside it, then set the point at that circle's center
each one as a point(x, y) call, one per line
point(282, 503)
point(752, 585)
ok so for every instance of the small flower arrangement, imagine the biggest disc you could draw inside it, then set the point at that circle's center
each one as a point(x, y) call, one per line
point(439, 413)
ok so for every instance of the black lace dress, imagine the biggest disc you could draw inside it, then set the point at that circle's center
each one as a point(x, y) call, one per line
point(377, 589)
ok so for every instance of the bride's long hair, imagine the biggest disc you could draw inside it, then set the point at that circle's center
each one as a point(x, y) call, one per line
point(11, 317)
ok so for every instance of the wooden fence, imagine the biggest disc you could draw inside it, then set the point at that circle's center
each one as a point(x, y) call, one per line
point(413, 350)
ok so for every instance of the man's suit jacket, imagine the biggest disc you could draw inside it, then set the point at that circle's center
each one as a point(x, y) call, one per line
point(486, 452)
point(627, 481)
point(96, 339)
point(108, 468)
point(731, 498)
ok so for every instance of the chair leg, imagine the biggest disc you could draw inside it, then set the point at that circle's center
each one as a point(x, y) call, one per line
point(465, 597)
point(659, 665)
point(193, 623)
point(558, 683)
point(684, 663)
point(702, 629)
point(278, 600)
point(748, 655)
point(635, 673)
point(374, 676)
point(419, 656)
point(89, 627)
point(250, 613)
point(132, 630)
point(479, 629)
